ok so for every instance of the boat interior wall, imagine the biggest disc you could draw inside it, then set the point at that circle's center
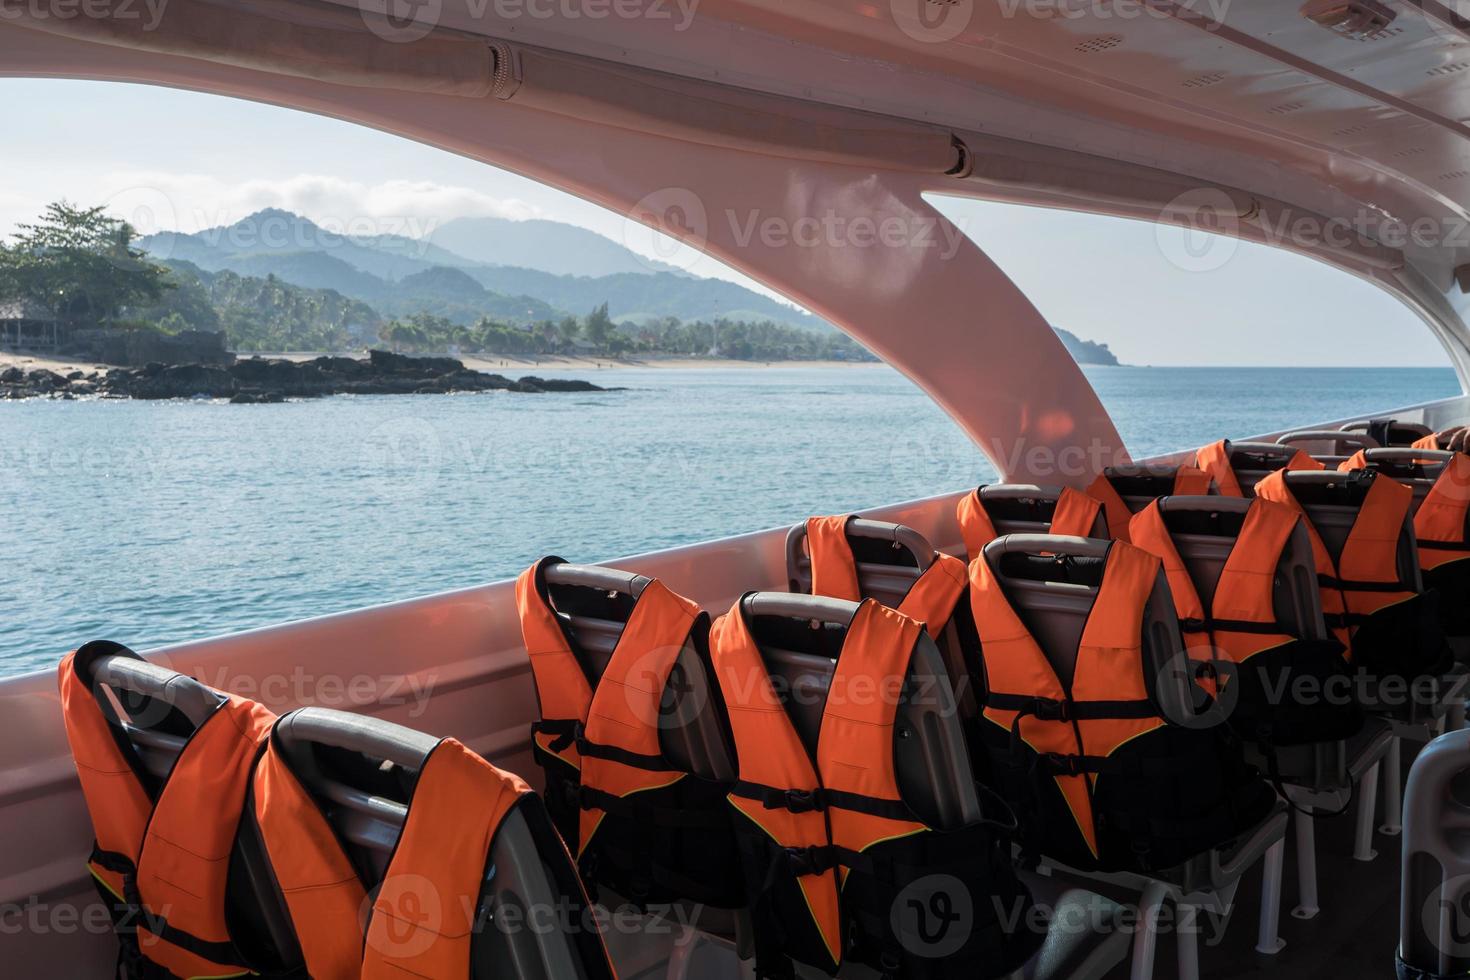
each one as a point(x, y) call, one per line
point(981, 350)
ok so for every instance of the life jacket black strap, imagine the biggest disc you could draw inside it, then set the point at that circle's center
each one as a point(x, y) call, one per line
point(1062, 764)
point(643, 812)
point(634, 760)
point(1351, 585)
point(1050, 709)
point(565, 730)
point(1212, 625)
point(133, 913)
point(806, 801)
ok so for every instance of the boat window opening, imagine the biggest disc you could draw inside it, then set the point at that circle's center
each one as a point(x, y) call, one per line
point(297, 234)
point(1236, 338)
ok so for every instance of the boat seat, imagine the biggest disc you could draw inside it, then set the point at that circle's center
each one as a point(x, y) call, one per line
point(157, 709)
point(594, 603)
point(1140, 486)
point(1319, 776)
point(1420, 469)
point(1332, 504)
point(1056, 614)
point(1022, 508)
point(1328, 446)
point(799, 637)
point(890, 558)
point(1204, 531)
point(1390, 432)
point(1254, 461)
point(362, 771)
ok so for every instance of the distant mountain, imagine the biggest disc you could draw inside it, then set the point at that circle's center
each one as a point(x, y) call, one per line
point(399, 275)
point(1085, 351)
point(546, 246)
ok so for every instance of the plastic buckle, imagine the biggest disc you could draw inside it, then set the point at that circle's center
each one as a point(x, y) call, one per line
point(1045, 709)
point(1193, 626)
point(1063, 765)
point(810, 860)
point(804, 801)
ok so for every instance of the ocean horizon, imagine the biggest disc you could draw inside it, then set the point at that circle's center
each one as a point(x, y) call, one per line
point(151, 523)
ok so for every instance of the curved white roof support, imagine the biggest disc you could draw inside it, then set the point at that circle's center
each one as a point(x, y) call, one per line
point(856, 245)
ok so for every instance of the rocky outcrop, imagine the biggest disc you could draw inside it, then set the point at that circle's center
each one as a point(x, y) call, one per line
point(261, 380)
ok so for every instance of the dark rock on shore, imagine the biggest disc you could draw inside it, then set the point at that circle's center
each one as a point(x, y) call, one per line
point(260, 380)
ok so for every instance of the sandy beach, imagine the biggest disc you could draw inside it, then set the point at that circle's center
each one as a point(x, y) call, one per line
point(497, 365)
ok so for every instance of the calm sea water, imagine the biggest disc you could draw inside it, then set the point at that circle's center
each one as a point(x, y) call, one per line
point(150, 523)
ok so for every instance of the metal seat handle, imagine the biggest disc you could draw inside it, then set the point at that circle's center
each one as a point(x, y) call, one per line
point(373, 737)
point(797, 606)
point(180, 691)
point(1047, 544)
point(1403, 454)
point(596, 577)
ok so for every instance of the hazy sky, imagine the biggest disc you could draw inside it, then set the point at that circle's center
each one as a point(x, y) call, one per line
point(182, 160)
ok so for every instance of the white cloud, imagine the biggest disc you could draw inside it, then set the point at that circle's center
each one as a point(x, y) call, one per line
point(159, 201)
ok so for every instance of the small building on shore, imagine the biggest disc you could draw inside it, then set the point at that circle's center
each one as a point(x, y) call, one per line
point(27, 325)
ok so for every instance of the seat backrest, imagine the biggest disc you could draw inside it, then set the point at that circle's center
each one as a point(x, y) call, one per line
point(800, 638)
point(594, 604)
point(890, 558)
point(1254, 461)
point(1139, 486)
point(1328, 446)
point(1051, 582)
point(1332, 502)
point(1204, 531)
point(1418, 468)
point(1390, 432)
point(362, 772)
point(1020, 508)
point(156, 710)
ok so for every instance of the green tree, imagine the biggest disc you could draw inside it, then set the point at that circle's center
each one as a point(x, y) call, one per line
point(80, 264)
point(599, 328)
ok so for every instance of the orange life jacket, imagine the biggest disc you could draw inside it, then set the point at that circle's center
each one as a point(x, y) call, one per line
point(1132, 791)
point(598, 742)
point(1430, 441)
point(1107, 704)
point(162, 862)
point(931, 599)
point(1241, 621)
point(1075, 514)
point(1182, 481)
point(426, 914)
point(1214, 459)
point(1440, 523)
point(324, 897)
point(829, 818)
point(1364, 578)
